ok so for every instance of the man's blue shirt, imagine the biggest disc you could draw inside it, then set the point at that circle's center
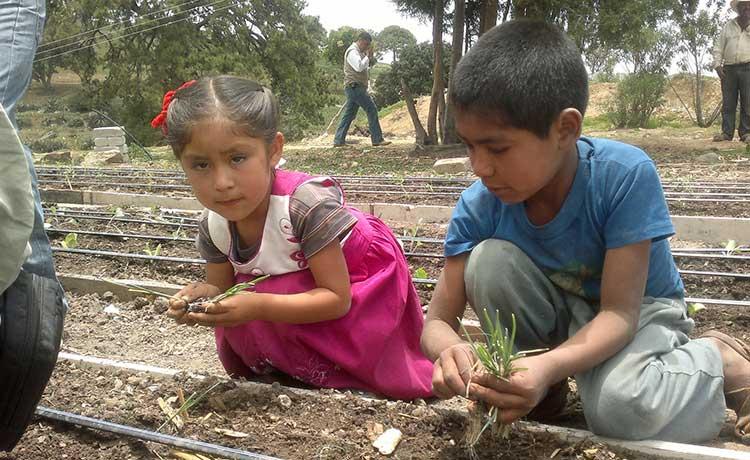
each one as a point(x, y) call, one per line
point(616, 199)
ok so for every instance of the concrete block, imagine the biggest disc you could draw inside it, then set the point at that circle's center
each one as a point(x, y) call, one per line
point(713, 230)
point(109, 141)
point(411, 213)
point(108, 131)
point(452, 166)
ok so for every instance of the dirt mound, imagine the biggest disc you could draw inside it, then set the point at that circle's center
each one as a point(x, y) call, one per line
point(398, 123)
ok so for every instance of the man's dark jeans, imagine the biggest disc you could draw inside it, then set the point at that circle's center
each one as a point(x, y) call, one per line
point(736, 82)
point(356, 97)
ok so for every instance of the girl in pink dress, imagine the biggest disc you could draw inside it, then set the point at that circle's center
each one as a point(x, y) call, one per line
point(339, 309)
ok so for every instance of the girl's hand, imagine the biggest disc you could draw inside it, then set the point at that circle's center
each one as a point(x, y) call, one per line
point(453, 371)
point(518, 395)
point(233, 311)
point(191, 292)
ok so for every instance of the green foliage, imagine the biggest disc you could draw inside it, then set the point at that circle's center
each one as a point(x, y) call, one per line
point(421, 273)
point(395, 39)
point(151, 47)
point(637, 97)
point(415, 66)
point(336, 44)
point(70, 241)
point(694, 308)
point(46, 144)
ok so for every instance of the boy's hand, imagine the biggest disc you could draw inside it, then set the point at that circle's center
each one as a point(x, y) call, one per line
point(453, 371)
point(191, 292)
point(518, 395)
point(232, 311)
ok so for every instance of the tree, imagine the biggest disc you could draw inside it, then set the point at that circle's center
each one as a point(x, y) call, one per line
point(415, 67)
point(459, 21)
point(697, 29)
point(395, 39)
point(488, 15)
point(437, 100)
point(337, 42)
point(150, 47)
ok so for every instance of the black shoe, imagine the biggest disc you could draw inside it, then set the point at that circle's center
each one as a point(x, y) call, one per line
point(339, 145)
point(381, 143)
point(722, 137)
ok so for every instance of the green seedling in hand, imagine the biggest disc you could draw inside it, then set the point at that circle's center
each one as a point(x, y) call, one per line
point(197, 305)
point(694, 308)
point(497, 358)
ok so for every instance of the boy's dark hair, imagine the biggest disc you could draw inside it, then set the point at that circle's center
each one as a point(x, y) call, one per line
point(365, 36)
point(524, 72)
point(250, 107)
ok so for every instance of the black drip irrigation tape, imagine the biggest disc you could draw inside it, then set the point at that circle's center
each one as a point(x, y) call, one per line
point(120, 235)
point(119, 219)
point(125, 255)
point(152, 436)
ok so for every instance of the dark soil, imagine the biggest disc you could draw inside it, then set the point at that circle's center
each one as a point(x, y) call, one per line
point(323, 424)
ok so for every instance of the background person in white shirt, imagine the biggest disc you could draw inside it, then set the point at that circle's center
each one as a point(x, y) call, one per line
point(357, 62)
point(732, 64)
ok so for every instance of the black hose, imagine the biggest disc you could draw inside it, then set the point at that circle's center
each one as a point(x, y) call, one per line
point(129, 431)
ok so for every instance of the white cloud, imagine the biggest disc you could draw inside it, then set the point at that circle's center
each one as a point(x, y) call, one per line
point(365, 14)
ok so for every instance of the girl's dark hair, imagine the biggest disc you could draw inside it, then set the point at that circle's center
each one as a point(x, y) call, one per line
point(252, 109)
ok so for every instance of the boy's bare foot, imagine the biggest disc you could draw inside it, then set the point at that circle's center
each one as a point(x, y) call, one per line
point(735, 356)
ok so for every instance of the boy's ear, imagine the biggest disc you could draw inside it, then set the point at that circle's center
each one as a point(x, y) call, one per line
point(569, 125)
point(276, 149)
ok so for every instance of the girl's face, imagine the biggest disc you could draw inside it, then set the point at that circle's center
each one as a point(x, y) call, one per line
point(230, 173)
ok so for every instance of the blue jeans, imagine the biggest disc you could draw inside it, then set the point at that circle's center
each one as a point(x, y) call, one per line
point(357, 97)
point(21, 25)
point(736, 82)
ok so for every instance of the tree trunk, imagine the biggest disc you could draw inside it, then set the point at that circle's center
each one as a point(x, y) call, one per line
point(698, 95)
point(459, 22)
point(437, 73)
point(420, 134)
point(488, 16)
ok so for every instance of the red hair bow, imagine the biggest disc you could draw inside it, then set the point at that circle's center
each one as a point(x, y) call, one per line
point(161, 119)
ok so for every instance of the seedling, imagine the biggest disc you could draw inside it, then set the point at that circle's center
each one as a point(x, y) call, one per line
point(70, 241)
point(194, 399)
point(153, 252)
point(731, 247)
point(496, 357)
point(420, 273)
point(197, 305)
point(694, 308)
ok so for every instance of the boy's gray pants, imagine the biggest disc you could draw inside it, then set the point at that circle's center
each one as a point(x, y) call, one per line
point(662, 385)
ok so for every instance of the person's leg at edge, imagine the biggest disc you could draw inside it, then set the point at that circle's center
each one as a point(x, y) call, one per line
point(729, 89)
point(21, 25)
point(366, 102)
point(743, 85)
point(661, 385)
point(347, 116)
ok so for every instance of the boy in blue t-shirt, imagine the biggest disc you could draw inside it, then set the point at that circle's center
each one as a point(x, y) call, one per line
point(569, 234)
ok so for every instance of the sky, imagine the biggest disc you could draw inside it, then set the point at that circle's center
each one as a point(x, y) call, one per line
point(373, 15)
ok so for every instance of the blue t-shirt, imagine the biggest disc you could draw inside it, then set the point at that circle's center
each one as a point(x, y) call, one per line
point(616, 199)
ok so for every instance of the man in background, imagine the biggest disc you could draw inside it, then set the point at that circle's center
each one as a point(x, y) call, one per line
point(358, 59)
point(732, 64)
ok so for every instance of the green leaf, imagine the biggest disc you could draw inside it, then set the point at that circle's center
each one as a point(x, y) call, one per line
point(420, 273)
point(70, 241)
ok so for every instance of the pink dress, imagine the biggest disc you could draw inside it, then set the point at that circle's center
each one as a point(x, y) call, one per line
point(374, 347)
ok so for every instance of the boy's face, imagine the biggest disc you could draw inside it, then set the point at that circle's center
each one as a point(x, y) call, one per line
point(514, 164)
